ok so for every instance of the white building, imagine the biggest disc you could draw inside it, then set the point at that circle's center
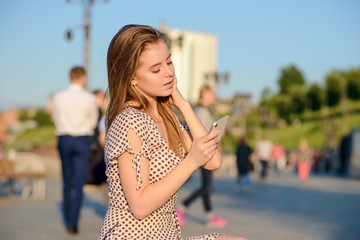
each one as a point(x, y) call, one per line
point(194, 55)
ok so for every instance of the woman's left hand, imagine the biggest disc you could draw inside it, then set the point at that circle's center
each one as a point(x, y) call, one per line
point(176, 98)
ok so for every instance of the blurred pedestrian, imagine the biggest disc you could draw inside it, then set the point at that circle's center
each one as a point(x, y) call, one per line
point(327, 155)
point(75, 116)
point(96, 172)
point(207, 98)
point(304, 160)
point(263, 149)
point(243, 163)
point(102, 123)
point(317, 161)
point(278, 156)
point(102, 131)
point(96, 176)
point(148, 152)
point(345, 154)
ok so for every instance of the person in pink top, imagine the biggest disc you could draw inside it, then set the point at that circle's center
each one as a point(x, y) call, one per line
point(304, 160)
point(278, 155)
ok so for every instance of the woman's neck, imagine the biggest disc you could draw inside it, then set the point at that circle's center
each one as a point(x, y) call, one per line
point(152, 110)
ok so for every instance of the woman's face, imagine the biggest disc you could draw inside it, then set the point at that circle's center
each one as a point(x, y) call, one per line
point(154, 76)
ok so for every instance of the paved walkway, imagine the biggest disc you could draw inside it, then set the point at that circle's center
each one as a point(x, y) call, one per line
point(282, 208)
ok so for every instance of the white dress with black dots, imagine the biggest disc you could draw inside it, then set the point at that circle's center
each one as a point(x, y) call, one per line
point(119, 223)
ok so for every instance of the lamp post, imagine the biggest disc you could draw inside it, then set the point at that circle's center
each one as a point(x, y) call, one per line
point(214, 78)
point(87, 4)
point(217, 76)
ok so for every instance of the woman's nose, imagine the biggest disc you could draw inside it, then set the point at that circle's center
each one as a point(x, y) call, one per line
point(170, 70)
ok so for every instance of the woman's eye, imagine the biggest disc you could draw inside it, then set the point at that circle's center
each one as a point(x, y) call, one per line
point(168, 63)
point(156, 71)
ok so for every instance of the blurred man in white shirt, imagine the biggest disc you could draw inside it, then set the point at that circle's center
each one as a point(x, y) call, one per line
point(75, 116)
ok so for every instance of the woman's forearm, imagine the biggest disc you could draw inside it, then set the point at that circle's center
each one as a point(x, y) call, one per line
point(197, 129)
point(153, 196)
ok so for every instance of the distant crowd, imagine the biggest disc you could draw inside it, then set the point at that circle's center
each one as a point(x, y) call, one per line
point(304, 160)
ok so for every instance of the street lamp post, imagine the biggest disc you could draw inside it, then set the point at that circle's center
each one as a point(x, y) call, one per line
point(87, 4)
point(87, 36)
point(217, 77)
point(214, 78)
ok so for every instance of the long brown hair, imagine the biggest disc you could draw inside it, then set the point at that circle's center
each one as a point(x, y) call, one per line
point(122, 61)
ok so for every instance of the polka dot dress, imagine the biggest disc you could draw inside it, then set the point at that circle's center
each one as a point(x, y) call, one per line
point(119, 223)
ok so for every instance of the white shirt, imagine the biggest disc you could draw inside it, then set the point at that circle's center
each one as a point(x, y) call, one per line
point(264, 148)
point(75, 112)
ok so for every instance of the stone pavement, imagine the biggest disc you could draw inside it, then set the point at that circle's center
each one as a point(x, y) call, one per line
point(325, 207)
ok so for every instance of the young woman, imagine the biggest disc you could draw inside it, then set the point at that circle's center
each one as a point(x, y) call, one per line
point(148, 152)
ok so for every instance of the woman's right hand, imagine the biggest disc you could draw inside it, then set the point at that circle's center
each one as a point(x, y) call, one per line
point(203, 149)
point(176, 99)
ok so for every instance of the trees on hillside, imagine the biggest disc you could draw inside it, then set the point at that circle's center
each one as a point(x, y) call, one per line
point(291, 97)
point(298, 98)
point(282, 104)
point(353, 84)
point(334, 87)
point(295, 95)
point(290, 76)
point(314, 97)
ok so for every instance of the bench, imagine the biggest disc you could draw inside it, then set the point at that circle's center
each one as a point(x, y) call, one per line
point(28, 167)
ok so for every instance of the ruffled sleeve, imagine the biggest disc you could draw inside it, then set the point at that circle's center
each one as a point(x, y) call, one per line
point(118, 141)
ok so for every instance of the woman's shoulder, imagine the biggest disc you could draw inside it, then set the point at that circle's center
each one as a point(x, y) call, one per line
point(130, 114)
point(129, 118)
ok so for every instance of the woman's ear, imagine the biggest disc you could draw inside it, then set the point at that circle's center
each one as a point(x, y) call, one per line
point(133, 81)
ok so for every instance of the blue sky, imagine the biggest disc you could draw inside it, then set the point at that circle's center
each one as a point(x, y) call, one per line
point(256, 39)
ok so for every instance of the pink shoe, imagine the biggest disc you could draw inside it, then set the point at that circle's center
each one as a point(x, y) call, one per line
point(181, 217)
point(216, 222)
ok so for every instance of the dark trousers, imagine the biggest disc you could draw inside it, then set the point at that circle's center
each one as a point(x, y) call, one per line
point(75, 155)
point(264, 165)
point(204, 191)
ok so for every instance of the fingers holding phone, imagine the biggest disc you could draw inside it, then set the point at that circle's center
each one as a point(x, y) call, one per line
point(204, 148)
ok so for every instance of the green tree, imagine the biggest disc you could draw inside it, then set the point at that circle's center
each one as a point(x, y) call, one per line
point(353, 84)
point(314, 97)
point(298, 98)
point(282, 103)
point(24, 115)
point(266, 98)
point(290, 76)
point(43, 118)
point(335, 83)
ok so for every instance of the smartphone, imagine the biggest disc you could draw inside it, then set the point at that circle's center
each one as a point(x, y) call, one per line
point(220, 125)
